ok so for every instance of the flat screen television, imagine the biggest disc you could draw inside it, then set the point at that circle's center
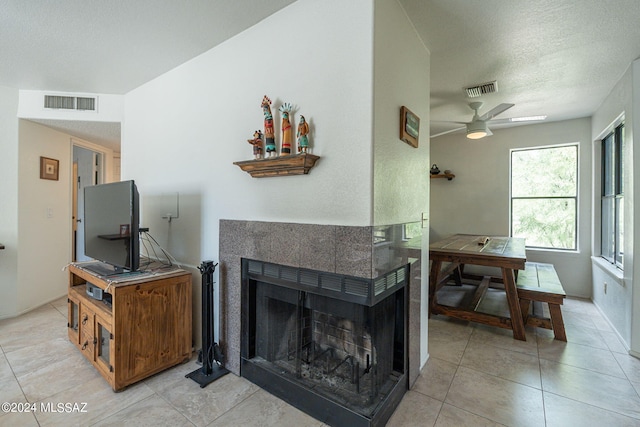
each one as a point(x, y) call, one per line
point(112, 223)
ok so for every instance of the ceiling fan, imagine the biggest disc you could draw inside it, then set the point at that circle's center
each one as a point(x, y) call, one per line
point(477, 128)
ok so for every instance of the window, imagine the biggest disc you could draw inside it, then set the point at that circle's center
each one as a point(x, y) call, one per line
point(544, 196)
point(411, 230)
point(381, 234)
point(612, 201)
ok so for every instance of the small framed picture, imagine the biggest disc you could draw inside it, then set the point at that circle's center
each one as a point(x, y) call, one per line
point(49, 168)
point(409, 127)
point(124, 230)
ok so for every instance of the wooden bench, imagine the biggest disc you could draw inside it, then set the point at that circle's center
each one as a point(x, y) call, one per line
point(539, 283)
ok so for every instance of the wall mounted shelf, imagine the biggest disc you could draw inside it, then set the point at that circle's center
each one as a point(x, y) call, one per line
point(449, 176)
point(298, 164)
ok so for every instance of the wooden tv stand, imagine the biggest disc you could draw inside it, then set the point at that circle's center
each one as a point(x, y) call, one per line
point(145, 329)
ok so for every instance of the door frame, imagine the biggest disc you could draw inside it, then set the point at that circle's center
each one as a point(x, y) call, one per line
point(106, 175)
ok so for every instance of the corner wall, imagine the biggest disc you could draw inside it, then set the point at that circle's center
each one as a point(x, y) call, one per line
point(44, 223)
point(9, 201)
point(401, 78)
point(183, 131)
point(400, 172)
point(617, 303)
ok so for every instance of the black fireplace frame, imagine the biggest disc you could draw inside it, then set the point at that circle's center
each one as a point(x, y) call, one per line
point(367, 292)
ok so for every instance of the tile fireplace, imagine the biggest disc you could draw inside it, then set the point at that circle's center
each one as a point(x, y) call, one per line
point(314, 303)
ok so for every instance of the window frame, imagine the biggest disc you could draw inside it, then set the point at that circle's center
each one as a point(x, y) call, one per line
point(575, 197)
point(615, 136)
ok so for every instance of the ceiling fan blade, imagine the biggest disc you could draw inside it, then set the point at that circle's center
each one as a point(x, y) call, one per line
point(495, 111)
point(518, 120)
point(448, 121)
point(446, 132)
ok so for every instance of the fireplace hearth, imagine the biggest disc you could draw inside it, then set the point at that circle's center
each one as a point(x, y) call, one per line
point(335, 346)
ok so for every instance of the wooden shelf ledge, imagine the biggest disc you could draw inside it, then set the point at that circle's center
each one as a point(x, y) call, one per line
point(449, 176)
point(298, 164)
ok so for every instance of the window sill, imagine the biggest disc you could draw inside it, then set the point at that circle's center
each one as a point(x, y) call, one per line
point(609, 268)
point(558, 251)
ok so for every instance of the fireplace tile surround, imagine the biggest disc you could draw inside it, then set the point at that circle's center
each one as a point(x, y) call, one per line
point(348, 250)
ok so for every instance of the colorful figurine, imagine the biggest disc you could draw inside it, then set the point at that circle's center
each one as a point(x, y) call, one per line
point(270, 141)
point(257, 144)
point(287, 137)
point(303, 139)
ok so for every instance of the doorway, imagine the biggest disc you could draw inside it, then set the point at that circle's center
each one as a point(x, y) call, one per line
point(88, 166)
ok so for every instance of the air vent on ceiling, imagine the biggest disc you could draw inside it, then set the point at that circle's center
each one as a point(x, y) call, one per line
point(70, 102)
point(479, 90)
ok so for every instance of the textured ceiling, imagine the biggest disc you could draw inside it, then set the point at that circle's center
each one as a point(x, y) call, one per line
point(550, 57)
point(112, 46)
point(554, 57)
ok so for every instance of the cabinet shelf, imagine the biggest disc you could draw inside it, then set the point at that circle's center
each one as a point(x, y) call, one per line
point(449, 176)
point(299, 164)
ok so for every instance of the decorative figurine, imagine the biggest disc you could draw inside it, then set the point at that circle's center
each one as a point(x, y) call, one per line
point(270, 141)
point(257, 144)
point(303, 139)
point(434, 169)
point(287, 138)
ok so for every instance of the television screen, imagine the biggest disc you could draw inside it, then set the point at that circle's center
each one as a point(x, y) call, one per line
point(111, 224)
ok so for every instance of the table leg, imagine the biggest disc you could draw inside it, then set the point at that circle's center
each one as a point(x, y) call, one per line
point(433, 283)
point(517, 323)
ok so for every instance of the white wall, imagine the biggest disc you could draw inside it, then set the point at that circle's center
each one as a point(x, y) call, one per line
point(183, 131)
point(616, 304)
point(401, 77)
point(44, 222)
point(634, 213)
point(401, 176)
point(477, 199)
point(9, 200)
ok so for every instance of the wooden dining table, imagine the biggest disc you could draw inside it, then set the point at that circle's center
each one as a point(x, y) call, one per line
point(448, 260)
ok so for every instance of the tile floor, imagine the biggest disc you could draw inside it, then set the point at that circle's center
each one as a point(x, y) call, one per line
point(476, 376)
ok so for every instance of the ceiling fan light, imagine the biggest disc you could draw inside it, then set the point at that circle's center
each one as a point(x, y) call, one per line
point(476, 134)
point(477, 130)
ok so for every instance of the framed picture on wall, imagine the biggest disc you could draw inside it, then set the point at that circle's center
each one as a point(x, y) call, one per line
point(49, 168)
point(409, 127)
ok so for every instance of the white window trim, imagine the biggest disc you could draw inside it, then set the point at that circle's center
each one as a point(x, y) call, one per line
point(538, 147)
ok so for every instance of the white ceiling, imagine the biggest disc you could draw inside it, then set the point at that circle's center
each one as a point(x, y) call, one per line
point(559, 58)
